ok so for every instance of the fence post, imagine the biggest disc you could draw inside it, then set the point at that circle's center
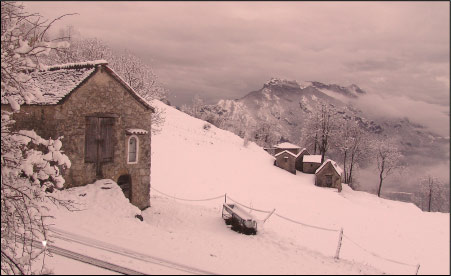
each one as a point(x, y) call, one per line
point(340, 238)
point(270, 214)
point(418, 268)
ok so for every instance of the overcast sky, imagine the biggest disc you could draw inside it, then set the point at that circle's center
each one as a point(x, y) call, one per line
point(397, 51)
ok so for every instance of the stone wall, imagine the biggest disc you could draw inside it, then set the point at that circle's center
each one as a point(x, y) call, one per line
point(320, 177)
point(100, 94)
point(287, 163)
point(310, 167)
point(300, 161)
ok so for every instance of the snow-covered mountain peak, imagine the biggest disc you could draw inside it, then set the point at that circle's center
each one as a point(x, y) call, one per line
point(281, 82)
point(354, 88)
point(352, 91)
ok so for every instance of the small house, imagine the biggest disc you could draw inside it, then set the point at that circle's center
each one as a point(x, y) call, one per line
point(271, 151)
point(311, 163)
point(329, 175)
point(286, 160)
point(300, 159)
point(288, 147)
point(106, 125)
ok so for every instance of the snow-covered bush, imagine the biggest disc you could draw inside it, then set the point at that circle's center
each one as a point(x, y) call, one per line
point(207, 126)
point(30, 165)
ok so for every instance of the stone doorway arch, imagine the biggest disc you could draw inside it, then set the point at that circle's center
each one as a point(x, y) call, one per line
point(125, 182)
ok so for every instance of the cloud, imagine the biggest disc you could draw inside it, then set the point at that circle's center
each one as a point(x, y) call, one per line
point(227, 49)
point(444, 80)
point(435, 117)
point(375, 65)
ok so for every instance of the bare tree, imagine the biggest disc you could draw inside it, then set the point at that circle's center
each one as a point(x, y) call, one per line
point(30, 165)
point(388, 159)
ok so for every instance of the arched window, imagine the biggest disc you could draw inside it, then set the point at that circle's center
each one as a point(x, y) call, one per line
point(133, 149)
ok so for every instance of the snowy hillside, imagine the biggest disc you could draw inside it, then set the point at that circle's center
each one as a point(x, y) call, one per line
point(194, 160)
point(191, 162)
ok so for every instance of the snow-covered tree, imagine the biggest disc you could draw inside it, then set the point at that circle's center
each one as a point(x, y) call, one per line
point(131, 68)
point(388, 158)
point(80, 50)
point(310, 132)
point(30, 165)
point(320, 128)
point(352, 143)
point(433, 195)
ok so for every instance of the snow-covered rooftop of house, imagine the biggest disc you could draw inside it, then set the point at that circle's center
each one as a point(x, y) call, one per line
point(136, 131)
point(289, 152)
point(56, 81)
point(334, 164)
point(75, 65)
point(286, 145)
point(312, 158)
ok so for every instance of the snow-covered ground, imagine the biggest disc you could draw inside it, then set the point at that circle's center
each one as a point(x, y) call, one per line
point(195, 162)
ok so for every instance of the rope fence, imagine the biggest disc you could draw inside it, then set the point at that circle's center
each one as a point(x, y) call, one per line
point(341, 236)
point(250, 208)
point(376, 255)
point(306, 225)
point(184, 199)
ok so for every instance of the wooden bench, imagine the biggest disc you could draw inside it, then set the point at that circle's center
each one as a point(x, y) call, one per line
point(239, 218)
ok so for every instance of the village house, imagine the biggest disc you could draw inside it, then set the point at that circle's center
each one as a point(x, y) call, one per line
point(286, 160)
point(286, 146)
point(300, 159)
point(329, 175)
point(289, 161)
point(271, 151)
point(106, 125)
point(311, 163)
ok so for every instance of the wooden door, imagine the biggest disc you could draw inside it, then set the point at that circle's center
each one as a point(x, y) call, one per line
point(99, 146)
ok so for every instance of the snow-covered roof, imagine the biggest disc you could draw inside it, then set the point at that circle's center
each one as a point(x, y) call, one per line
point(289, 152)
point(286, 146)
point(58, 81)
point(75, 65)
point(312, 158)
point(138, 97)
point(301, 151)
point(334, 165)
point(136, 131)
point(54, 83)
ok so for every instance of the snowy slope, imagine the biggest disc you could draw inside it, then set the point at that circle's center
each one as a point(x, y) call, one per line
point(191, 162)
point(195, 162)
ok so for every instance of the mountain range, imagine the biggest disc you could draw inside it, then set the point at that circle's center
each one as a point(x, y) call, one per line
point(284, 106)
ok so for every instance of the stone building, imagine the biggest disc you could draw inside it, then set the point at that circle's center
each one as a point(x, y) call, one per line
point(286, 160)
point(300, 159)
point(106, 125)
point(329, 175)
point(271, 151)
point(311, 163)
point(286, 146)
